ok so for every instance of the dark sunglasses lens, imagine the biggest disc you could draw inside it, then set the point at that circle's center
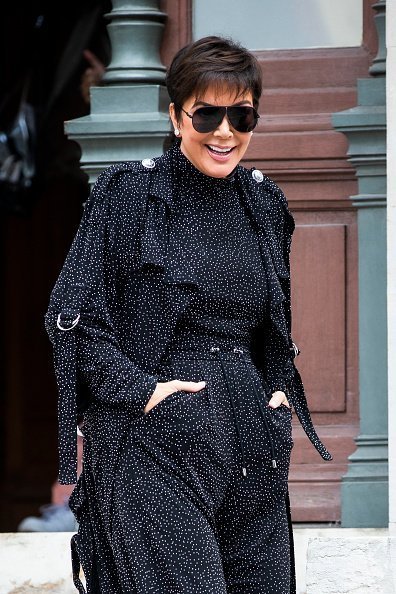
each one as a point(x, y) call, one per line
point(243, 119)
point(207, 119)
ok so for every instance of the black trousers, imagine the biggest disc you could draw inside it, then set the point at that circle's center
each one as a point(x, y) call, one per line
point(198, 507)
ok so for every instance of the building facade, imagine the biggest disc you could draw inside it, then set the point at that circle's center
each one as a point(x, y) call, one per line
point(312, 59)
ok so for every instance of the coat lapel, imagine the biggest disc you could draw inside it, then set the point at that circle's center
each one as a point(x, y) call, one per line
point(167, 279)
point(260, 206)
point(157, 249)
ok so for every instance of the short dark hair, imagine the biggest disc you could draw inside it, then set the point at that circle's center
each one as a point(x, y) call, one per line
point(212, 61)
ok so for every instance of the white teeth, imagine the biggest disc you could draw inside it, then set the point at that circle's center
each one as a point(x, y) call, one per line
point(219, 150)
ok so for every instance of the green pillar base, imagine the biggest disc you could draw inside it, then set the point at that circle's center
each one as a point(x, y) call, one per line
point(364, 489)
point(127, 123)
point(364, 504)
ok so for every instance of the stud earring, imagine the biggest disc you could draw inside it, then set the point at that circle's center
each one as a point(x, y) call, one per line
point(177, 132)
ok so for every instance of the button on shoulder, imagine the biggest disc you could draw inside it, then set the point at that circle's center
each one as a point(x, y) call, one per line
point(148, 163)
point(257, 176)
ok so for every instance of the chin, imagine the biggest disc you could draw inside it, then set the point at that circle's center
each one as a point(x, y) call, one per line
point(218, 169)
point(221, 171)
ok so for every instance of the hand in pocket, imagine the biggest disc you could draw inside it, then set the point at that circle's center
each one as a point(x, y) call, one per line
point(164, 389)
point(278, 399)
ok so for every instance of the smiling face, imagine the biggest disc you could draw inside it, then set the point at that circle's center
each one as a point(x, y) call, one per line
point(218, 152)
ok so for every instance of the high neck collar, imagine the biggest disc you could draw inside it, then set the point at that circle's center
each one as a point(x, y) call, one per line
point(186, 169)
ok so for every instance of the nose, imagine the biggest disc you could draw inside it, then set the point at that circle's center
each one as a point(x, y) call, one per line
point(223, 130)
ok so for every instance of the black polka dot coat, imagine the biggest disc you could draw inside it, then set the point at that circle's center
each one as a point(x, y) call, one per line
point(118, 298)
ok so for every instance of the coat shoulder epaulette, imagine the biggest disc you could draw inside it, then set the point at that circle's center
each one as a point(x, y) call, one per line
point(270, 187)
point(126, 169)
point(271, 197)
point(130, 176)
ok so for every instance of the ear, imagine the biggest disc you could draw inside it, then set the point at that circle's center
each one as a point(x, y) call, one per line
point(172, 115)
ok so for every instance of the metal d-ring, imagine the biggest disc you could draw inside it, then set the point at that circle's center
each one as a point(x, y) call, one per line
point(73, 324)
point(295, 349)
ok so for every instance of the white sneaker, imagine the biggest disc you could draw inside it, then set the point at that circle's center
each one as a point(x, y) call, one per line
point(54, 518)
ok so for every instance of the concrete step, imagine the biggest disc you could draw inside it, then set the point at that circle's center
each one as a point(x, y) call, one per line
point(338, 560)
point(362, 562)
point(35, 563)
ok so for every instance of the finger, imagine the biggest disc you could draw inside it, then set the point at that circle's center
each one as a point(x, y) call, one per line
point(94, 61)
point(277, 399)
point(190, 386)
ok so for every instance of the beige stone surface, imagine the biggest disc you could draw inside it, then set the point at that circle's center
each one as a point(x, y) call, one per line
point(35, 563)
point(40, 563)
point(351, 564)
point(303, 539)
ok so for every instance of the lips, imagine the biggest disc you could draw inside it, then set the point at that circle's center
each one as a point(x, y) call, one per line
point(226, 150)
point(219, 153)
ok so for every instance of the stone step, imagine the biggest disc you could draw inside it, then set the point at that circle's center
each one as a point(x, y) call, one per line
point(38, 563)
point(35, 563)
point(362, 563)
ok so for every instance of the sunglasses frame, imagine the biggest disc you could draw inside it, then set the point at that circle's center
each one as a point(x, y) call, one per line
point(226, 107)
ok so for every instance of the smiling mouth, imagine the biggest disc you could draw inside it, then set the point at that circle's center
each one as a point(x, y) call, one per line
point(220, 151)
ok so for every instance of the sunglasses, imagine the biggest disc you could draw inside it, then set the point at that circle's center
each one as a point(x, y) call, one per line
point(242, 118)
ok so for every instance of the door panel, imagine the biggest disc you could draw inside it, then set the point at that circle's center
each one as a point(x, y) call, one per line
point(318, 304)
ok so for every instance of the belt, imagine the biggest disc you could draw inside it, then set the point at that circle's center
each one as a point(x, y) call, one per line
point(223, 354)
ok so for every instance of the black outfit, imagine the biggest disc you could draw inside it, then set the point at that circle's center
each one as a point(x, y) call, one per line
point(192, 496)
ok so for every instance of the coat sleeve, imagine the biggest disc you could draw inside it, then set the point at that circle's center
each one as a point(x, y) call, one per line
point(88, 359)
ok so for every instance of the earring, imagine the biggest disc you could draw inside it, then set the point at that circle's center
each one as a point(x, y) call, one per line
point(177, 132)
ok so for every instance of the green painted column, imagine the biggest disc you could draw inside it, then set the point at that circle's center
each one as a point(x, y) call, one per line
point(364, 489)
point(129, 111)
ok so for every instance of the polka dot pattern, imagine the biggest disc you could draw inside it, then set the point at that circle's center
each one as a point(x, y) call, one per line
point(176, 275)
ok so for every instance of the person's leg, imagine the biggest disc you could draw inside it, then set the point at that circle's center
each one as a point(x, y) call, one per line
point(253, 538)
point(163, 543)
point(162, 533)
point(252, 522)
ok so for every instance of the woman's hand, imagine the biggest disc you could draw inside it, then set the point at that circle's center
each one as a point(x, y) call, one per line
point(92, 75)
point(164, 389)
point(278, 398)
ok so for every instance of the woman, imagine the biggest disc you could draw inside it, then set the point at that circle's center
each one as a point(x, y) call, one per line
point(171, 330)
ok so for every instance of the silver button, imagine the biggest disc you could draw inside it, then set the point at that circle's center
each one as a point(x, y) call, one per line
point(149, 163)
point(257, 176)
